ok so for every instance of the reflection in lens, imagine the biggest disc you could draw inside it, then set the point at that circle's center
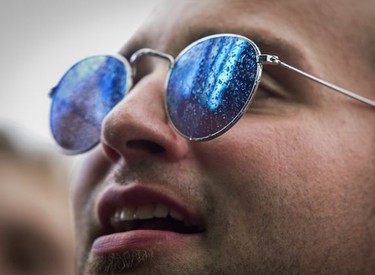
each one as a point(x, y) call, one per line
point(82, 99)
point(211, 84)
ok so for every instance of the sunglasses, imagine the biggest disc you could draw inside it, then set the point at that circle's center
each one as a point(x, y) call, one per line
point(208, 89)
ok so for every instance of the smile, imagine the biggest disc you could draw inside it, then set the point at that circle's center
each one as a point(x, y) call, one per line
point(138, 217)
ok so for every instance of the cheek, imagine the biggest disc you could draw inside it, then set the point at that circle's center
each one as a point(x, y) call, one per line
point(91, 172)
point(263, 153)
point(309, 165)
point(301, 182)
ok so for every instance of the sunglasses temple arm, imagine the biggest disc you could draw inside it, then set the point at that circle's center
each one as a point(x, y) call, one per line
point(274, 60)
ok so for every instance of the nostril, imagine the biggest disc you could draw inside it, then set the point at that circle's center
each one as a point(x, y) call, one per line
point(110, 153)
point(145, 145)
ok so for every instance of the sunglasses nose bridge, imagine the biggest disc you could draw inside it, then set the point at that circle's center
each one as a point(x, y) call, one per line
point(150, 52)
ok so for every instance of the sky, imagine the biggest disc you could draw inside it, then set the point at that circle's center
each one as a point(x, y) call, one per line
point(41, 39)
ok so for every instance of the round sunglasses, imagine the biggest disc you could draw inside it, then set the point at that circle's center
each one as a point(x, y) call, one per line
point(209, 87)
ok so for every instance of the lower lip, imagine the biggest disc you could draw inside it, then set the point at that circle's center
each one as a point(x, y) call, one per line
point(138, 239)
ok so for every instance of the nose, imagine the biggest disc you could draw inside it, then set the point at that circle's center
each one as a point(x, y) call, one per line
point(138, 127)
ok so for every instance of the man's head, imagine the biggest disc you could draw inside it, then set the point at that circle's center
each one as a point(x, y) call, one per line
point(36, 235)
point(289, 189)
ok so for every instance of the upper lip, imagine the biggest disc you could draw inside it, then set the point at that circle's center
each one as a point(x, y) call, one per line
point(118, 196)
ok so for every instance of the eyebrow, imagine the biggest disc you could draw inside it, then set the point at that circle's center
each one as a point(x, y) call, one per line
point(286, 50)
point(268, 41)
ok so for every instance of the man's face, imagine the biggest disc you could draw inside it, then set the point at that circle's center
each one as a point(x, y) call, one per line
point(289, 189)
point(35, 235)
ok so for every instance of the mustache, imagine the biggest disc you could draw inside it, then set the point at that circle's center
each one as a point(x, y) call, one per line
point(146, 171)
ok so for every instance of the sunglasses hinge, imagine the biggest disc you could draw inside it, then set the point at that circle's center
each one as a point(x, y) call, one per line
point(268, 59)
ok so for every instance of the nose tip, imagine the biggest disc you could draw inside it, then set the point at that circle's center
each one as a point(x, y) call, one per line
point(138, 126)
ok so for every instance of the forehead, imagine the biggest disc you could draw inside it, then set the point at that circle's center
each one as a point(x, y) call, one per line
point(174, 24)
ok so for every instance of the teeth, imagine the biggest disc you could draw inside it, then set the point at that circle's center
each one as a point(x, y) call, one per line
point(126, 214)
point(144, 212)
point(161, 211)
point(116, 216)
point(148, 211)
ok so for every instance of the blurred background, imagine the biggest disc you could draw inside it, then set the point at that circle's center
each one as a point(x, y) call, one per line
point(40, 40)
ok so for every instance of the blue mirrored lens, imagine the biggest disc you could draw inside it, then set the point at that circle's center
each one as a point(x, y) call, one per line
point(210, 85)
point(82, 99)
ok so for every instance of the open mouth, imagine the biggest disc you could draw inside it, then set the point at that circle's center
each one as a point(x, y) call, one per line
point(153, 217)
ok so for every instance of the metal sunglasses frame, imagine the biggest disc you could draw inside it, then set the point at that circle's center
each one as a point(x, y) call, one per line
point(262, 59)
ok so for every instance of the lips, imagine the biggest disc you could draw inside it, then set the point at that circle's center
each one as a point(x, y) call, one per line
point(138, 216)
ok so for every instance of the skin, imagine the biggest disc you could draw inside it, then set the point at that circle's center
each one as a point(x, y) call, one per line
point(290, 188)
